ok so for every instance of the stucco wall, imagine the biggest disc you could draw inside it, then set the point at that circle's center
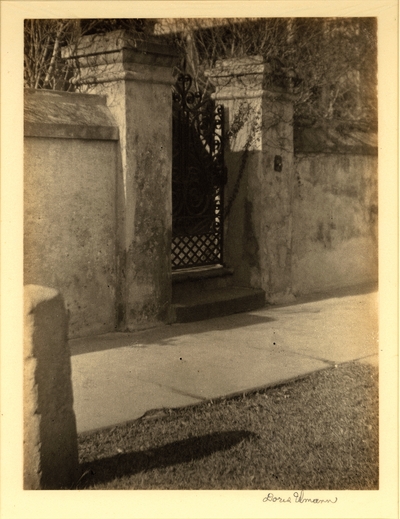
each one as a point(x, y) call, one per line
point(335, 235)
point(70, 207)
point(310, 228)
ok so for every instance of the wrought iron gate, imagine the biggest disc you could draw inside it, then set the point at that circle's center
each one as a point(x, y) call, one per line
point(197, 178)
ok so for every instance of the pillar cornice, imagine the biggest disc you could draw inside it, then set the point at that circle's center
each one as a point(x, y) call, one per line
point(249, 78)
point(118, 56)
point(162, 77)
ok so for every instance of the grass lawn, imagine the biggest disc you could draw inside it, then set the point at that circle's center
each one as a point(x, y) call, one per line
point(320, 432)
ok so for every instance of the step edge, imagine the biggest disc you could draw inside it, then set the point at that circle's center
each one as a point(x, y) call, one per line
point(183, 276)
point(185, 314)
point(240, 298)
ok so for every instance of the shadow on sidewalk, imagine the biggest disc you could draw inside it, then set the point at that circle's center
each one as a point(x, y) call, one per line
point(183, 451)
point(354, 290)
point(163, 335)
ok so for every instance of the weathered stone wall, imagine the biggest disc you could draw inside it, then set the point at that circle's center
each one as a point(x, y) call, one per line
point(50, 436)
point(335, 233)
point(71, 174)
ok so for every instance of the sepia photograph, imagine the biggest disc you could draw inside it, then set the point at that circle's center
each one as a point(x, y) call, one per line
point(201, 258)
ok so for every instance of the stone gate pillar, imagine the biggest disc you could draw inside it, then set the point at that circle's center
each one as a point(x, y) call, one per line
point(259, 117)
point(136, 77)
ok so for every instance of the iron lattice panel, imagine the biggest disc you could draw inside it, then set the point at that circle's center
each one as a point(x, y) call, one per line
point(193, 251)
point(197, 178)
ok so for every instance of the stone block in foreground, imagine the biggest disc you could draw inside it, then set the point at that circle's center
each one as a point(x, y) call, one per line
point(50, 436)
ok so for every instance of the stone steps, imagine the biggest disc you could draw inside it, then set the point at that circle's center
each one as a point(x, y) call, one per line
point(197, 305)
point(188, 282)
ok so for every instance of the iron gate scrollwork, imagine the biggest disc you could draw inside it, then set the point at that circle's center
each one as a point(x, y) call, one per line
point(198, 178)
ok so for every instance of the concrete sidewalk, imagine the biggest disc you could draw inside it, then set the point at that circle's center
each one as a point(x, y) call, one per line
point(119, 377)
